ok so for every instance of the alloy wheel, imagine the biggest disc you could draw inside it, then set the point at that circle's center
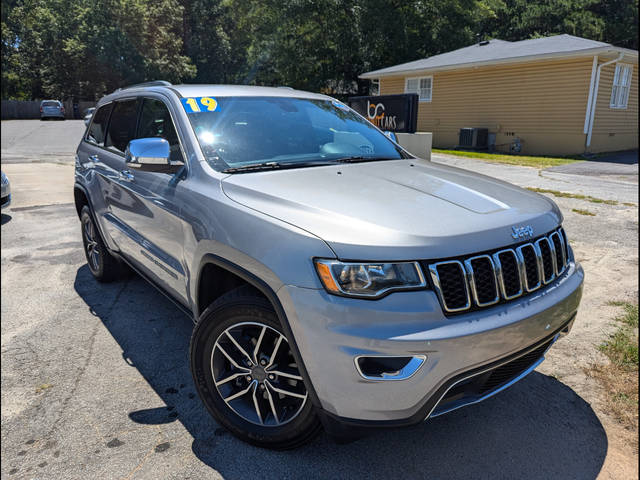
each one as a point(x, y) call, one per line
point(256, 375)
point(91, 244)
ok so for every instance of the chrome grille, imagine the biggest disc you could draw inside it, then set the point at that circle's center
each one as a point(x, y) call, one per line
point(482, 280)
point(508, 273)
point(449, 280)
point(494, 277)
point(530, 266)
point(547, 255)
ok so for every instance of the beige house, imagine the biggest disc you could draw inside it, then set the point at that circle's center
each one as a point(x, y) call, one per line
point(556, 95)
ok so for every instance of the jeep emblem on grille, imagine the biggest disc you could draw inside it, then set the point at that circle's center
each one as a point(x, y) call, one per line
point(522, 232)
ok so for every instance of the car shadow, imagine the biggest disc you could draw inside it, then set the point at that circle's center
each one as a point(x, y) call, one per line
point(539, 428)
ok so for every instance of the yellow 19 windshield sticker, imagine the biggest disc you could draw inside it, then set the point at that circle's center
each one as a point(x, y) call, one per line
point(200, 104)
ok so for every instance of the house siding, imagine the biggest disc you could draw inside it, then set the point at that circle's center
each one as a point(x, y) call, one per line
point(543, 103)
point(614, 128)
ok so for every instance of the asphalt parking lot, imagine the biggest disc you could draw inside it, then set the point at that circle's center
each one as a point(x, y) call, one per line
point(96, 383)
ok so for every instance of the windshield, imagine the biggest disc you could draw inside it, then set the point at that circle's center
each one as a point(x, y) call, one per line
point(243, 131)
point(50, 103)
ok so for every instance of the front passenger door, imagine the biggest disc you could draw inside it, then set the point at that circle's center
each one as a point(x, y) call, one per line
point(156, 216)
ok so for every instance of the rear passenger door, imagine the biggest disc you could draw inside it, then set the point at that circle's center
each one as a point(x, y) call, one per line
point(112, 169)
point(93, 173)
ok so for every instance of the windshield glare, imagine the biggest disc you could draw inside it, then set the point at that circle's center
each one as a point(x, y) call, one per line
point(251, 130)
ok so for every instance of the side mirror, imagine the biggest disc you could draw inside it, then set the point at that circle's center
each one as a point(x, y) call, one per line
point(391, 135)
point(147, 151)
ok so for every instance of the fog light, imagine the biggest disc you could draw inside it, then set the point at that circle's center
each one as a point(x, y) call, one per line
point(377, 367)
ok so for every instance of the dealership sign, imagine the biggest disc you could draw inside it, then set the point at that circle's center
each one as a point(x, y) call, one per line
point(397, 113)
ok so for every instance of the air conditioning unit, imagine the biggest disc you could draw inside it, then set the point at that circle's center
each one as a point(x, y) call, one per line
point(473, 138)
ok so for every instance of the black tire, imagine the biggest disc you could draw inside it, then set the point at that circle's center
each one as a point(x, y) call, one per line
point(104, 266)
point(235, 309)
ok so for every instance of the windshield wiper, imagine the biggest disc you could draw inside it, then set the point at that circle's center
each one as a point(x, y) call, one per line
point(256, 167)
point(360, 158)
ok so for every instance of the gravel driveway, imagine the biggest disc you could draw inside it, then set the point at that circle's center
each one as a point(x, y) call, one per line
point(96, 384)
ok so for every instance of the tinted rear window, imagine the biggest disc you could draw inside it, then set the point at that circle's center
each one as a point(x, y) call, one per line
point(99, 125)
point(50, 104)
point(122, 127)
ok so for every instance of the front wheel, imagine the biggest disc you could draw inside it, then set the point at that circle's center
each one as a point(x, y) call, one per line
point(246, 375)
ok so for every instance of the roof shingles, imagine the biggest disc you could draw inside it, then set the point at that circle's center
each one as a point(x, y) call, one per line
point(495, 50)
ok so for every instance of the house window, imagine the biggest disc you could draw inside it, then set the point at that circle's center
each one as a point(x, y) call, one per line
point(621, 86)
point(421, 85)
point(374, 87)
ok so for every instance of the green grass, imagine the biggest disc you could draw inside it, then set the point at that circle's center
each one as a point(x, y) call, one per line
point(630, 316)
point(522, 160)
point(622, 345)
point(580, 211)
point(579, 196)
point(619, 378)
point(42, 387)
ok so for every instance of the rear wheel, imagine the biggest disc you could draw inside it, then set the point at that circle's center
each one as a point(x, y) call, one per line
point(246, 375)
point(104, 266)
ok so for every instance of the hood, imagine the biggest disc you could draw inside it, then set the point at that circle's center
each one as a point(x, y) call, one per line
point(396, 210)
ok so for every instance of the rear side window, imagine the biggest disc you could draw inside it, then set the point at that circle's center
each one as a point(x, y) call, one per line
point(122, 127)
point(155, 121)
point(99, 125)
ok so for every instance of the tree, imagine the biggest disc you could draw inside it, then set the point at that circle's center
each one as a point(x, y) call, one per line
point(86, 48)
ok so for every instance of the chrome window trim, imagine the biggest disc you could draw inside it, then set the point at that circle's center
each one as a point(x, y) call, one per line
point(523, 272)
point(541, 262)
point(435, 277)
point(500, 276)
point(471, 279)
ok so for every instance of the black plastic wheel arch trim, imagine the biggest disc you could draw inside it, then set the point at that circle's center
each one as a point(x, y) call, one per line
point(268, 292)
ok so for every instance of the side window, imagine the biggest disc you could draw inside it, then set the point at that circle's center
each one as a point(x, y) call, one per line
point(99, 125)
point(122, 127)
point(155, 121)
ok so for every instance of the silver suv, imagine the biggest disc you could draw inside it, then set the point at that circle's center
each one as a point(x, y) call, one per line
point(334, 280)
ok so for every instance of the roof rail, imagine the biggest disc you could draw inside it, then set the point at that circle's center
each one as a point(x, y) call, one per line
point(154, 83)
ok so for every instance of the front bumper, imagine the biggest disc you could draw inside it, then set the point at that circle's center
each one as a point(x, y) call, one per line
point(331, 332)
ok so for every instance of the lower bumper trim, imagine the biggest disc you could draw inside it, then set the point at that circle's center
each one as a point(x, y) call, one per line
point(348, 429)
point(470, 398)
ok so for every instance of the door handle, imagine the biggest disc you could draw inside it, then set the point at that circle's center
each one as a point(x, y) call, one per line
point(126, 175)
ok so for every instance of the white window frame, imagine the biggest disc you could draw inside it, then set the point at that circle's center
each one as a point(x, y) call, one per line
point(421, 97)
point(619, 89)
point(375, 81)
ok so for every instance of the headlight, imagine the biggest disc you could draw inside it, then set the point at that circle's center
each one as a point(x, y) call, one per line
point(368, 279)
